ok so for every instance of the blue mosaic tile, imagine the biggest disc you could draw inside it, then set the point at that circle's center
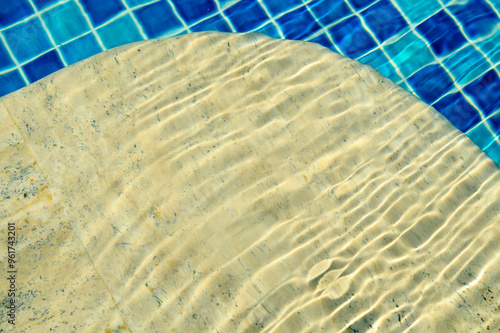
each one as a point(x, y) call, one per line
point(323, 41)
point(495, 124)
point(42, 4)
point(480, 135)
point(42, 66)
point(378, 60)
point(269, 30)
point(491, 47)
point(466, 64)
point(360, 4)
point(27, 40)
point(215, 23)
point(135, 3)
point(5, 60)
point(119, 32)
point(476, 17)
point(157, 19)
point(277, 7)
point(430, 83)
point(383, 20)
point(79, 49)
point(458, 111)
point(329, 11)
point(417, 11)
point(14, 11)
point(298, 24)
point(246, 16)
point(10, 81)
point(442, 33)
point(101, 11)
point(409, 53)
point(65, 22)
point(192, 11)
point(485, 91)
point(351, 38)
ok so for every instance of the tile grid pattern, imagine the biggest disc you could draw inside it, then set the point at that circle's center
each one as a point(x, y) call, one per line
point(444, 51)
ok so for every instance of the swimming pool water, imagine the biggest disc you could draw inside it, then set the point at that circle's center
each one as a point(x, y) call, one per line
point(445, 52)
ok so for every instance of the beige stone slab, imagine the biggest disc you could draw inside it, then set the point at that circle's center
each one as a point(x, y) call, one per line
point(227, 182)
point(55, 285)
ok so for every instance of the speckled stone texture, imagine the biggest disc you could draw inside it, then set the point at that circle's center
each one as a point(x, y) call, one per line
point(236, 183)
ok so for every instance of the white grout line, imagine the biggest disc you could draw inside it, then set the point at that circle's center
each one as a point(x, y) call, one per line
point(139, 27)
point(466, 96)
point(367, 29)
point(322, 31)
point(92, 29)
point(276, 25)
point(229, 23)
point(47, 31)
point(179, 17)
point(16, 63)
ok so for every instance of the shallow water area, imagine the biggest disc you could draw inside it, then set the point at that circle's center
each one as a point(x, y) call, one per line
point(234, 182)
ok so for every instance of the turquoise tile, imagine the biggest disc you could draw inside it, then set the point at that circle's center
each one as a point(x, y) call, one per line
point(493, 151)
point(417, 11)
point(466, 65)
point(65, 22)
point(80, 48)
point(405, 86)
point(491, 47)
point(409, 53)
point(379, 61)
point(480, 136)
point(119, 32)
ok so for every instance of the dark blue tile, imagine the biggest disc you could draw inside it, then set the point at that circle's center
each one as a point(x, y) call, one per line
point(43, 66)
point(157, 19)
point(119, 32)
point(101, 11)
point(351, 38)
point(360, 4)
point(298, 24)
point(329, 11)
point(324, 41)
point(14, 11)
point(269, 30)
point(277, 7)
point(79, 49)
point(246, 15)
point(430, 83)
point(485, 91)
point(476, 17)
point(133, 3)
point(458, 111)
point(442, 33)
point(193, 11)
point(65, 22)
point(215, 23)
point(10, 82)
point(27, 40)
point(5, 60)
point(384, 20)
point(41, 4)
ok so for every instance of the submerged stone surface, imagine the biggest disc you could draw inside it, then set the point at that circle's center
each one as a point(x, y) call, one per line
point(233, 182)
